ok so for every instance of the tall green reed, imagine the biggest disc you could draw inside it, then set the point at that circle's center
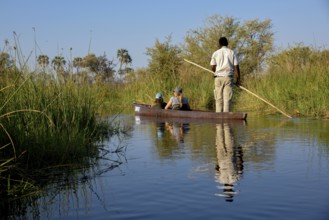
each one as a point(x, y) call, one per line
point(142, 87)
point(64, 125)
point(45, 123)
point(296, 81)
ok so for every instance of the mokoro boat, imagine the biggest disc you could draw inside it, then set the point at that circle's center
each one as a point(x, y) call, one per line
point(146, 110)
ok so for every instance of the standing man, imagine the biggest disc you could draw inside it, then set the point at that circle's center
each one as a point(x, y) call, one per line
point(224, 63)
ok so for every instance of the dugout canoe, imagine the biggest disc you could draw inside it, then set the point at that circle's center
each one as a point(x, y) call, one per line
point(146, 110)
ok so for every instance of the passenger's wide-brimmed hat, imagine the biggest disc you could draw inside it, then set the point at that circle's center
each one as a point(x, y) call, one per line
point(178, 90)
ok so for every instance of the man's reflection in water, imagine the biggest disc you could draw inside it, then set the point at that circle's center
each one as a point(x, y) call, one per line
point(230, 161)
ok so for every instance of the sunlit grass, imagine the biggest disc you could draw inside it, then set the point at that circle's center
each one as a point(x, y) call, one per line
point(299, 85)
point(45, 122)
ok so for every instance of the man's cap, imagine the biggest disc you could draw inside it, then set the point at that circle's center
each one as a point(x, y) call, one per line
point(158, 95)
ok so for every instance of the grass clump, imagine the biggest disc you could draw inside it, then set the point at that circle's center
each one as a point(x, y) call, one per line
point(45, 122)
point(296, 81)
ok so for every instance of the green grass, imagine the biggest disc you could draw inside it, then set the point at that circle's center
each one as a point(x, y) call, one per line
point(300, 89)
point(46, 123)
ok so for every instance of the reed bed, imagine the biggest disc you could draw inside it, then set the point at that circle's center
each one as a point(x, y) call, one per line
point(297, 81)
point(46, 122)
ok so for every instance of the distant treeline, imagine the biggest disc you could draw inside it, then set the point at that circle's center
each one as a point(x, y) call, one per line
point(89, 67)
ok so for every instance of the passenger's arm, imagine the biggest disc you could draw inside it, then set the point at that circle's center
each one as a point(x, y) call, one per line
point(168, 105)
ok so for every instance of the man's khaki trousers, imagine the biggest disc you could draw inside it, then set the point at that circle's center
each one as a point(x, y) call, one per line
point(223, 93)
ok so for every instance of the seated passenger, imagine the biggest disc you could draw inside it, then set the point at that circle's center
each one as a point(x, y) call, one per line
point(178, 101)
point(158, 102)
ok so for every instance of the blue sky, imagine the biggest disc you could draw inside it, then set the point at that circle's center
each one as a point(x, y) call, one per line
point(136, 24)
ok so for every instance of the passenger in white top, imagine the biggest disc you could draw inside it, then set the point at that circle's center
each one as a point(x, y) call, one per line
point(224, 64)
point(178, 101)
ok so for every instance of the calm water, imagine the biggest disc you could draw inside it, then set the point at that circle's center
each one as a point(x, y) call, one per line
point(266, 168)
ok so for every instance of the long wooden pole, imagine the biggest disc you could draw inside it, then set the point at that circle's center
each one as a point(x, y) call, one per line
point(241, 87)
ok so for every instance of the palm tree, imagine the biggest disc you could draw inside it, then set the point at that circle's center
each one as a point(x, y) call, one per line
point(77, 63)
point(5, 61)
point(58, 63)
point(124, 59)
point(43, 61)
point(4, 57)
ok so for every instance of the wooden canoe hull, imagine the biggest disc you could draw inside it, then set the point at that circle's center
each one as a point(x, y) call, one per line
point(146, 110)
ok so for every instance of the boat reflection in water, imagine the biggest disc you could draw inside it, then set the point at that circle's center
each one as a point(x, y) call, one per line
point(229, 161)
point(224, 151)
point(165, 127)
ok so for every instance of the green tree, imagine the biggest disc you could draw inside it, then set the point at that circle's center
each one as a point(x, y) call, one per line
point(124, 59)
point(43, 61)
point(164, 61)
point(105, 68)
point(100, 66)
point(255, 45)
point(252, 40)
point(78, 63)
point(5, 62)
point(58, 64)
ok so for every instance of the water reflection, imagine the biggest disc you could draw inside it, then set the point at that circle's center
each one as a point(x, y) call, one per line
point(186, 164)
point(61, 189)
point(229, 161)
point(177, 130)
point(214, 143)
point(168, 135)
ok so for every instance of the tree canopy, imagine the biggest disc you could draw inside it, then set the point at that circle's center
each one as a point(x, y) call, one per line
point(100, 66)
point(164, 60)
point(252, 40)
point(124, 59)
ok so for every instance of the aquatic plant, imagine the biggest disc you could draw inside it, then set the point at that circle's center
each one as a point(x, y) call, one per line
point(45, 122)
